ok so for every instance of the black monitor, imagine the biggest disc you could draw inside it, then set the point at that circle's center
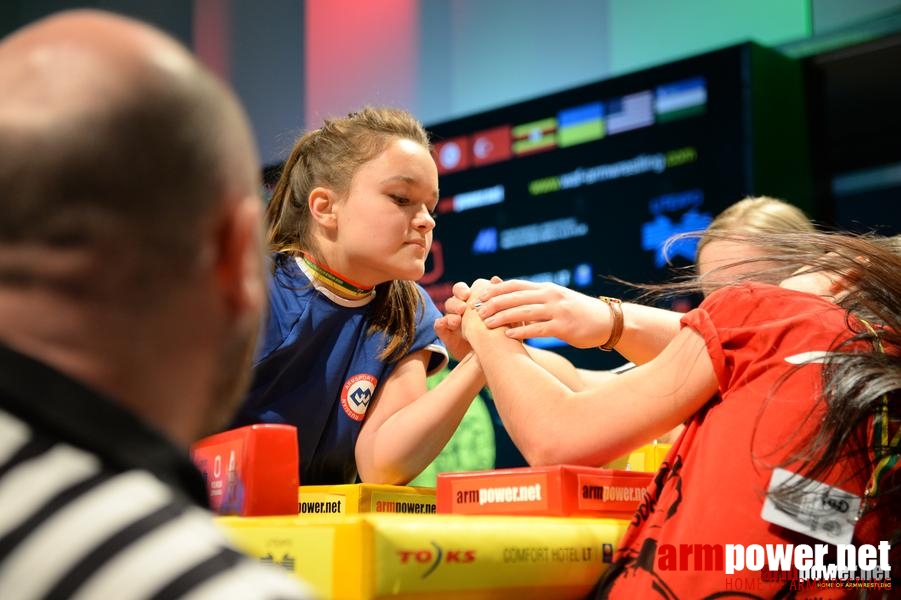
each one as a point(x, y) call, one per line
point(589, 182)
point(853, 98)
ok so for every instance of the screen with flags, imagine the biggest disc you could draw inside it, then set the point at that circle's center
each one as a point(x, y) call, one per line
point(590, 182)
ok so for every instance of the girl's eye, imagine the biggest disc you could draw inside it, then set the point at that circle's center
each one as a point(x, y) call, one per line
point(404, 201)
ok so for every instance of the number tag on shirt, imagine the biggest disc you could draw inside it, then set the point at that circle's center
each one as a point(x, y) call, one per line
point(810, 507)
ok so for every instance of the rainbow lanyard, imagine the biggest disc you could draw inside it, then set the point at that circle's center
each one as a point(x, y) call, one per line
point(886, 452)
point(335, 283)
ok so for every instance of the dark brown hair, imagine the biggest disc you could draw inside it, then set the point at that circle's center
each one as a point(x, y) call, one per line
point(329, 157)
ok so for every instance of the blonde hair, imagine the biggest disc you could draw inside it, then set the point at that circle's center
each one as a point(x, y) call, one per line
point(758, 214)
point(329, 157)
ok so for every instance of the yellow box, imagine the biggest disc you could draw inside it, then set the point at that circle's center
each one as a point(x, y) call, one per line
point(646, 458)
point(353, 498)
point(375, 556)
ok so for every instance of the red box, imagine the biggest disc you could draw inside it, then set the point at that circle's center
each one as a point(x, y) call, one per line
point(559, 490)
point(250, 471)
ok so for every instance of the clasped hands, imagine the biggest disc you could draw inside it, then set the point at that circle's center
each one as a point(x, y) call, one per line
point(526, 309)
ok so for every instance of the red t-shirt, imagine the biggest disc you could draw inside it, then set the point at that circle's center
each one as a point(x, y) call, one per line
point(711, 488)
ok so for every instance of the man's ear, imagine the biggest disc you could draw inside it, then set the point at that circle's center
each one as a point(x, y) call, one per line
point(322, 203)
point(240, 262)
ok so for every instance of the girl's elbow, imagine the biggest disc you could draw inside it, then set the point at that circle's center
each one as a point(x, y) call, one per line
point(382, 476)
point(551, 450)
point(542, 453)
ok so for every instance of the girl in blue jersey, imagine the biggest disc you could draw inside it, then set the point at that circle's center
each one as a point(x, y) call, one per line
point(349, 339)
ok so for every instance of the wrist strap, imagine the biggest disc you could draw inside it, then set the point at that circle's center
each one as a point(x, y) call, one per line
point(616, 330)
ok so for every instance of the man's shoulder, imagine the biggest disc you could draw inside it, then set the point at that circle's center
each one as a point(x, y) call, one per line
point(77, 525)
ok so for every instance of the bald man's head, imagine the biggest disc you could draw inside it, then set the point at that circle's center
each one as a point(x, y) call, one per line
point(114, 139)
point(62, 65)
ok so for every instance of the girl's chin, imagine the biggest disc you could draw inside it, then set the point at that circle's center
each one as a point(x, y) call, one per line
point(402, 275)
point(412, 274)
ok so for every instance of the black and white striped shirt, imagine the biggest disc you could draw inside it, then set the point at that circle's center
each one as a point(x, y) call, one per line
point(96, 505)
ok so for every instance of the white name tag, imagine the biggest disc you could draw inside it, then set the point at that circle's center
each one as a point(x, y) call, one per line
point(810, 507)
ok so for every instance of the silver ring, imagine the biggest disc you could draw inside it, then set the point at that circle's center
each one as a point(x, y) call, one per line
point(477, 305)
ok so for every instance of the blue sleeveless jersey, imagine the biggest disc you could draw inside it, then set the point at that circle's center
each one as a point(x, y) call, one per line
point(316, 368)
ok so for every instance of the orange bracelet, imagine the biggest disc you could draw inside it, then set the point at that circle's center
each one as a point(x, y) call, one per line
point(616, 331)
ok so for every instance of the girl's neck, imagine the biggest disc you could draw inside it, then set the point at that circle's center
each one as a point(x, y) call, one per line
point(335, 282)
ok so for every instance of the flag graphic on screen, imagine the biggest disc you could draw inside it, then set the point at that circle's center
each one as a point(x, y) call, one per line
point(452, 154)
point(536, 136)
point(655, 233)
point(580, 124)
point(491, 145)
point(630, 112)
point(681, 99)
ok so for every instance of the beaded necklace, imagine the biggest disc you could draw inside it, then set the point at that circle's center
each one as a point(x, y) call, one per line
point(335, 283)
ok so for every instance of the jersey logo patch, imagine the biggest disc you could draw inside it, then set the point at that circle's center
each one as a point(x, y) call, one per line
point(356, 395)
